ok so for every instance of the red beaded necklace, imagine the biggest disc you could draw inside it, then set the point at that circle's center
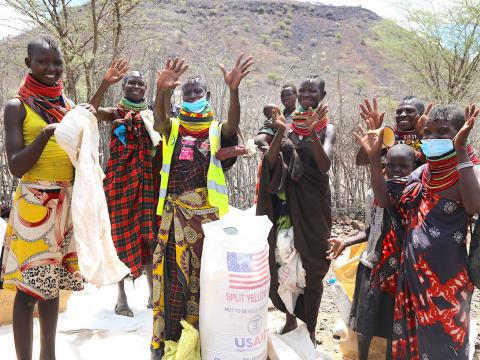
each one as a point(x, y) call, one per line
point(298, 123)
point(441, 173)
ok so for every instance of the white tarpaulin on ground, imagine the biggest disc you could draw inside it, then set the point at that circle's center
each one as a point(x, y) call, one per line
point(295, 345)
point(89, 329)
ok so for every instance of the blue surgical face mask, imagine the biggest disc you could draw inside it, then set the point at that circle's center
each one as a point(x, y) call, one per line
point(197, 106)
point(436, 147)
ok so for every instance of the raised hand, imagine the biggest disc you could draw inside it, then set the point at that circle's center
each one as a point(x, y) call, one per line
point(369, 112)
point(116, 71)
point(370, 141)
point(278, 120)
point(460, 140)
point(336, 249)
point(315, 117)
point(167, 78)
point(421, 120)
point(241, 69)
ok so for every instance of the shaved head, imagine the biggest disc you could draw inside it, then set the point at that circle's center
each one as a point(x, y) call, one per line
point(195, 80)
point(402, 150)
point(317, 80)
point(41, 43)
point(415, 102)
point(452, 114)
point(136, 74)
point(267, 110)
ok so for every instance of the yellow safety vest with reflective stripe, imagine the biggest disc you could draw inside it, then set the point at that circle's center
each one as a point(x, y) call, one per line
point(216, 186)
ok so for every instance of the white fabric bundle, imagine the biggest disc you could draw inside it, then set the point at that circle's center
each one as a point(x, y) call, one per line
point(78, 135)
point(291, 274)
point(148, 120)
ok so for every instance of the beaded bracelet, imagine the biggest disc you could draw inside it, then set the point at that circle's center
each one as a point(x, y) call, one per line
point(464, 165)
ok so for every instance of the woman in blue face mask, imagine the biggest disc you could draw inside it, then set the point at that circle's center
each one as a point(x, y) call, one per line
point(432, 287)
point(192, 191)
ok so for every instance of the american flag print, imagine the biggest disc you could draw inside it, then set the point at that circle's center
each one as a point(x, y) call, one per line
point(248, 271)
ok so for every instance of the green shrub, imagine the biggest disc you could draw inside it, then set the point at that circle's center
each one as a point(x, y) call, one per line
point(277, 44)
point(273, 77)
point(282, 26)
point(266, 39)
point(338, 37)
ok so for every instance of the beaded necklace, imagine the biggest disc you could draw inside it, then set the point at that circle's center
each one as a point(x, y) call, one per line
point(299, 127)
point(196, 124)
point(127, 105)
point(407, 137)
point(441, 172)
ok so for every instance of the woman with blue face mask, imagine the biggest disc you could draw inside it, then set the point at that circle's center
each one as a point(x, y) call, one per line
point(428, 265)
point(192, 191)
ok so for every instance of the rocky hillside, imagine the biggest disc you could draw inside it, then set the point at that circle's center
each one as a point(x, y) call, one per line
point(288, 39)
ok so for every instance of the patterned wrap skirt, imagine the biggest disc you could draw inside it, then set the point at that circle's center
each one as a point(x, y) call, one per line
point(39, 254)
point(176, 261)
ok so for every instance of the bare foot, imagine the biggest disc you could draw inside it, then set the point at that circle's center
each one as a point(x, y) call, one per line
point(290, 324)
point(122, 309)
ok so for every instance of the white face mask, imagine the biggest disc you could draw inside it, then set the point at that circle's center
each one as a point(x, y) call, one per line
point(436, 147)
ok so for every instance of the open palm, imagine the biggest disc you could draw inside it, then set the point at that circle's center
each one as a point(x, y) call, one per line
point(278, 119)
point(168, 77)
point(370, 142)
point(315, 117)
point(369, 112)
point(241, 69)
point(421, 120)
point(116, 71)
point(461, 138)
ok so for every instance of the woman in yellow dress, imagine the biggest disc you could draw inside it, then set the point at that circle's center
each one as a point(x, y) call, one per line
point(39, 255)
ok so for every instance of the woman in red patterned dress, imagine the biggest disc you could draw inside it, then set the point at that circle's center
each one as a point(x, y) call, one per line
point(428, 266)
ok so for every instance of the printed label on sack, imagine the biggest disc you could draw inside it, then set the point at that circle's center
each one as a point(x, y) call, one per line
point(248, 280)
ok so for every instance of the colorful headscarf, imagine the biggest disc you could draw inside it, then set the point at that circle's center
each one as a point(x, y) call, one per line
point(299, 126)
point(196, 123)
point(46, 101)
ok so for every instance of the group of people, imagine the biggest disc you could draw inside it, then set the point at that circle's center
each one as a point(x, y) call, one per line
point(164, 181)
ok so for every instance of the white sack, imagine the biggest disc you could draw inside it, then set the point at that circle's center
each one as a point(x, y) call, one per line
point(235, 282)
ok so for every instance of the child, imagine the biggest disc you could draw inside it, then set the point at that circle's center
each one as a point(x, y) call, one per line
point(192, 192)
point(132, 178)
point(294, 191)
point(288, 96)
point(39, 255)
point(428, 266)
point(265, 134)
point(372, 309)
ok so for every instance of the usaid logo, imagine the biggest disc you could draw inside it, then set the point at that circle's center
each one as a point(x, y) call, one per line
point(255, 325)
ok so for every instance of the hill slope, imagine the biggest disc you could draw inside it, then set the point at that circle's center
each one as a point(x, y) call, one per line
point(288, 39)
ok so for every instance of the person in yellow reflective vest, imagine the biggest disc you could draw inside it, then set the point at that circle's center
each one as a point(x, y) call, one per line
point(192, 191)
